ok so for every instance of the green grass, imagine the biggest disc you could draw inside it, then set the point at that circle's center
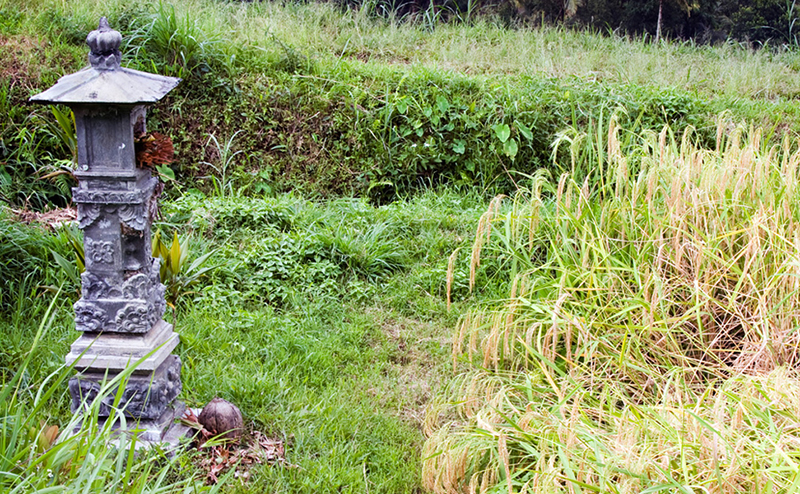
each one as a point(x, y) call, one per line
point(340, 364)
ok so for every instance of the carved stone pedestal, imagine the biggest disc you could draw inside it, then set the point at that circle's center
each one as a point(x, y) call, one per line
point(122, 304)
point(144, 397)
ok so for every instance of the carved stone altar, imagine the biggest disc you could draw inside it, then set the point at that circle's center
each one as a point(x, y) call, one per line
point(122, 304)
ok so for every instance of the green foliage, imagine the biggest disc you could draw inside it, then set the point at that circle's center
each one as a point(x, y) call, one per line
point(26, 259)
point(762, 20)
point(296, 108)
point(313, 355)
point(178, 275)
point(73, 238)
point(229, 216)
point(287, 251)
point(26, 162)
point(286, 269)
point(225, 158)
point(177, 42)
point(10, 19)
point(64, 130)
point(370, 251)
point(402, 132)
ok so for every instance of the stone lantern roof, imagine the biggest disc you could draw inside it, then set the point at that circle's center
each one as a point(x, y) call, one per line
point(105, 82)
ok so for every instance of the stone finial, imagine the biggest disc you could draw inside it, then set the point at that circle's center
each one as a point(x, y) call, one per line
point(104, 44)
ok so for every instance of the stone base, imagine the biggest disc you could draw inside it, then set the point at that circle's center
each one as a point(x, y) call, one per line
point(146, 397)
point(155, 430)
point(115, 352)
point(165, 432)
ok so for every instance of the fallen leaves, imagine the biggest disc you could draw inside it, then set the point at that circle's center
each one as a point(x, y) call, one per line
point(219, 456)
point(53, 219)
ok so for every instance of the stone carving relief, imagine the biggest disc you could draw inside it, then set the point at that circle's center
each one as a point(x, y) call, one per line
point(152, 203)
point(99, 250)
point(138, 286)
point(135, 318)
point(132, 306)
point(89, 317)
point(87, 214)
point(133, 216)
point(144, 396)
point(82, 196)
point(93, 287)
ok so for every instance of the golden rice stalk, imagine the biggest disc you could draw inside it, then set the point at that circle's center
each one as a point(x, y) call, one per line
point(502, 451)
point(657, 343)
point(482, 235)
point(451, 268)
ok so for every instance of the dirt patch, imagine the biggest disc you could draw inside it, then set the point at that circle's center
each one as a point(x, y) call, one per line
point(418, 363)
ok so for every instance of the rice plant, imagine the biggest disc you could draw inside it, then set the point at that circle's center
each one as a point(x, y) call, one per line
point(648, 342)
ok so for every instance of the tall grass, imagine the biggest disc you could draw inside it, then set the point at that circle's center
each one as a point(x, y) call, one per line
point(184, 31)
point(649, 339)
point(84, 454)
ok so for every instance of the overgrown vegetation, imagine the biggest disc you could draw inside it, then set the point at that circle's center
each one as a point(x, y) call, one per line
point(648, 341)
point(323, 322)
point(625, 317)
point(304, 97)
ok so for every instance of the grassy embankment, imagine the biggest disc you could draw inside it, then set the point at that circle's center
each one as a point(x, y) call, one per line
point(333, 103)
point(328, 323)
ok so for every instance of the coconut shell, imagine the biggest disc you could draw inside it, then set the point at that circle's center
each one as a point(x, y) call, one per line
point(222, 417)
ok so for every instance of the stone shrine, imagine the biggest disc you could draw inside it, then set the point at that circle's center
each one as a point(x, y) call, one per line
point(122, 304)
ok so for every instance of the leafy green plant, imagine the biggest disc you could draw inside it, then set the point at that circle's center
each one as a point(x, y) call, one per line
point(371, 251)
point(286, 269)
point(61, 171)
point(176, 272)
point(64, 130)
point(225, 159)
point(73, 238)
point(177, 41)
point(234, 214)
point(24, 162)
point(27, 253)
